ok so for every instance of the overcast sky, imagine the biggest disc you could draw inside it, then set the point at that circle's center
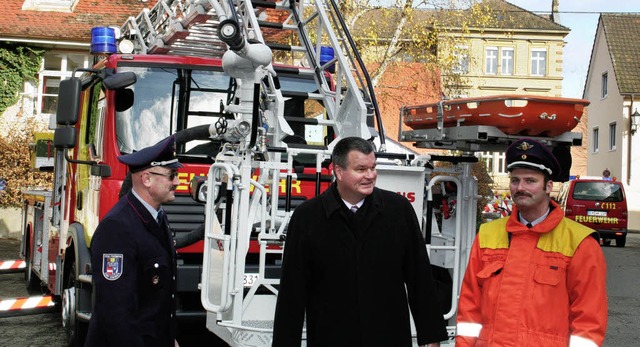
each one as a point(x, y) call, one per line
point(581, 16)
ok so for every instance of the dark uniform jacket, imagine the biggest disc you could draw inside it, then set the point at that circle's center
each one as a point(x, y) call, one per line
point(133, 262)
point(348, 273)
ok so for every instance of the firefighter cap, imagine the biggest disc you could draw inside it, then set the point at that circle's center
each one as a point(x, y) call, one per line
point(162, 153)
point(531, 154)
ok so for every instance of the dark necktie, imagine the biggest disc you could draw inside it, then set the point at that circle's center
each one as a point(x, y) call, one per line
point(354, 209)
point(529, 225)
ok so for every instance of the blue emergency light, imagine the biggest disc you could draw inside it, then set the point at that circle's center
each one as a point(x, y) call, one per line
point(103, 40)
point(326, 55)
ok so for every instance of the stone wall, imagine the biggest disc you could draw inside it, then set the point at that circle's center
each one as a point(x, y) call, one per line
point(10, 222)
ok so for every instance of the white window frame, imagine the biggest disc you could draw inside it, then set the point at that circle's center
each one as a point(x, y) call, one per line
point(604, 89)
point(612, 136)
point(461, 56)
point(595, 132)
point(491, 60)
point(507, 61)
point(49, 5)
point(538, 62)
point(62, 73)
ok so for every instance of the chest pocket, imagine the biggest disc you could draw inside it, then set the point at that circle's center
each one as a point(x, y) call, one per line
point(549, 274)
point(490, 270)
point(156, 273)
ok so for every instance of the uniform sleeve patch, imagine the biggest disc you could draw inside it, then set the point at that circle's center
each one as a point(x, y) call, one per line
point(112, 266)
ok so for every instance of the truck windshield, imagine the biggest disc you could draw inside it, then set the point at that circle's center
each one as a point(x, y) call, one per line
point(597, 191)
point(167, 100)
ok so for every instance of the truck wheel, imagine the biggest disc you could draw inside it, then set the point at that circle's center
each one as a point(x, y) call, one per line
point(621, 241)
point(606, 242)
point(75, 329)
point(34, 285)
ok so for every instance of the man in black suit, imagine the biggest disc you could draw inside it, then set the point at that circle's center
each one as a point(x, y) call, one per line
point(133, 257)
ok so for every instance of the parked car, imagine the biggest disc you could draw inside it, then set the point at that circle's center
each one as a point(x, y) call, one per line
point(600, 204)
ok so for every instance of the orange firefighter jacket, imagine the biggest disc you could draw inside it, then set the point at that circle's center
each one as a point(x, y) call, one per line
point(544, 286)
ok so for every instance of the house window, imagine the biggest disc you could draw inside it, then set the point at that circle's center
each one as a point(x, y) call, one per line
point(612, 136)
point(605, 78)
point(594, 137)
point(495, 162)
point(506, 59)
point(491, 61)
point(56, 66)
point(461, 56)
point(538, 62)
point(49, 5)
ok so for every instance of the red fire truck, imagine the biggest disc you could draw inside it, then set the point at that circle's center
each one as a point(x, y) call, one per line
point(122, 104)
point(254, 136)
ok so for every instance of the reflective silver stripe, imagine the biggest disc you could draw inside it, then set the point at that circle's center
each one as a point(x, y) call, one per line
point(163, 163)
point(468, 329)
point(526, 163)
point(577, 341)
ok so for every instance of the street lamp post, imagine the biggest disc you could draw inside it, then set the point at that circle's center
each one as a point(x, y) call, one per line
point(634, 121)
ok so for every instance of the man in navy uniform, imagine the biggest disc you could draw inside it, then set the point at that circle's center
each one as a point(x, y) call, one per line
point(133, 257)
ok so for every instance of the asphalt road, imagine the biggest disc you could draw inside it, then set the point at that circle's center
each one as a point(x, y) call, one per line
point(623, 284)
point(45, 329)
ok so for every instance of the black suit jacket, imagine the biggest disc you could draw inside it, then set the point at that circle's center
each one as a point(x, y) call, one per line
point(134, 265)
point(356, 276)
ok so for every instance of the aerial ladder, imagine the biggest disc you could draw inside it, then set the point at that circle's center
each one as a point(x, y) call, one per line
point(245, 35)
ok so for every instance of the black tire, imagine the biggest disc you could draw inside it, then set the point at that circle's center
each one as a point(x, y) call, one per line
point(621, 241)
point(34, 285)
point(606, 242)
point(76, 330)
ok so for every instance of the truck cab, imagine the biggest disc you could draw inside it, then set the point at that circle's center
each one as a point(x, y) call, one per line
point(598, 203)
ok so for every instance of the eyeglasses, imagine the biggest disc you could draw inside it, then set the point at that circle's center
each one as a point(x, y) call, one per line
point(170, 176)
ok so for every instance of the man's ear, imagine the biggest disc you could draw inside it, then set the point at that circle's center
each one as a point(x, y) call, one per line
point(145, 178)
point(337, 171)
point(549, 186)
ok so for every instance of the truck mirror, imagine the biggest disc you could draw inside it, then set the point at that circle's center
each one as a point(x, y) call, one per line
point(120, 80)
point(68, 101)
point(64, 137)
point(198, 188)
point(124, 99)
point(101, 170)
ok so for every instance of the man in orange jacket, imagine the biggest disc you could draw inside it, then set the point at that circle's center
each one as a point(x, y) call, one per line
point(534, 278)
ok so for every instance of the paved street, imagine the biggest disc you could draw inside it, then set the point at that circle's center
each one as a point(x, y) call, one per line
point(623, 282)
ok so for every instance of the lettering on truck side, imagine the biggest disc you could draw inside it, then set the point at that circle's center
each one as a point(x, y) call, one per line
point(608, 205)
point(295, 186)
point(411, 196)
point(596, 219)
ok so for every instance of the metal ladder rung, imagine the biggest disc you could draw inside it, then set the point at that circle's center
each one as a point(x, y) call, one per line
point(277, 25)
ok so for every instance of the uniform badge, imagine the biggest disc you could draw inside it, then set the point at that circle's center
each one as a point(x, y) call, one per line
point(155, 280)
point(524, 146)
point(112, 266)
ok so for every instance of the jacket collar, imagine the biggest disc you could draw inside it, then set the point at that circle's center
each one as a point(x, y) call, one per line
point(147, 220)
point(553, 219)
point(332, 202)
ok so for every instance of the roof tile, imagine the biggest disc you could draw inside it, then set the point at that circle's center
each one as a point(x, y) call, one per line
point(622, 32)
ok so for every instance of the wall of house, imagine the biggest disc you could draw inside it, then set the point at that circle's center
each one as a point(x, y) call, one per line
point(521, 81)
point(604, 111)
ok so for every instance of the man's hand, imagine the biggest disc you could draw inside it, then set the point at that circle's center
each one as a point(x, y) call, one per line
point(435, 344)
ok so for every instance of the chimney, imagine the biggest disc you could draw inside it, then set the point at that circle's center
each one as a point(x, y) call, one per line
point(555, 16)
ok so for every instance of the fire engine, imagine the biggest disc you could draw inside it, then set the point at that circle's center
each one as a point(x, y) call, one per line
point(255, 121)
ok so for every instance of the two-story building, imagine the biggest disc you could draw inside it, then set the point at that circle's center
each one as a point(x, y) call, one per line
point(613, 88)
point(62, 29)
point(497, 48)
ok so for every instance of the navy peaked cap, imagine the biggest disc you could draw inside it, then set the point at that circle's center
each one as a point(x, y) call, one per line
point(531, 154)
point(162, 153)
